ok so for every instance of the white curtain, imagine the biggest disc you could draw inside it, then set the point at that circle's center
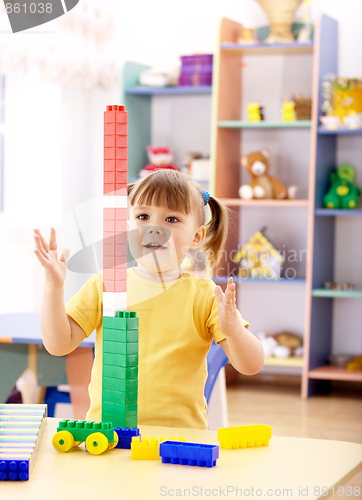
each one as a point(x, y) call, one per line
point(77, 49)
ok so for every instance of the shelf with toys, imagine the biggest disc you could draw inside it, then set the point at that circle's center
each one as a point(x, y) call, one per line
point(138, 90)
point(330, 199)
point(332, 324)
point(265, 124)
point(286, 152)
point(157, 116)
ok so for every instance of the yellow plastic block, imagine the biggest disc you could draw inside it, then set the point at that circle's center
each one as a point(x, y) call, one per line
point(145, 449)
point(244, 436)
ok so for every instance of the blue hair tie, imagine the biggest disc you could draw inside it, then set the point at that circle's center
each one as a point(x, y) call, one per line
point(205, 196)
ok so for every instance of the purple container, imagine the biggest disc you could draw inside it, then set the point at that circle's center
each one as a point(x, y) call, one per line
point(195, 80)
point(193, 68)
point(197, 59)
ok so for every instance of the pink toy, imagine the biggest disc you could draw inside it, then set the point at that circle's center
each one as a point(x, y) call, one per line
point(159, 158)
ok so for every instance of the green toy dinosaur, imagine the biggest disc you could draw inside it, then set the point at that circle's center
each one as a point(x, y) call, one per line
point(342, 192)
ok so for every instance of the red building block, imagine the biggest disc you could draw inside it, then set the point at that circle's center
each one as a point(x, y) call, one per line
point(115, 129)
point(115, 165)
point(115, 114)
point(119, 141)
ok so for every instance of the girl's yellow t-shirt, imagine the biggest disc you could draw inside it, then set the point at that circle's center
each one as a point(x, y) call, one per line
point(177, 323)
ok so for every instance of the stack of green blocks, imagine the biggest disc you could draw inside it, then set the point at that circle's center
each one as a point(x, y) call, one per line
point(120, 369)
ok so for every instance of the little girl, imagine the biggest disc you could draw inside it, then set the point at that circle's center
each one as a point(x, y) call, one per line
point(179, 313)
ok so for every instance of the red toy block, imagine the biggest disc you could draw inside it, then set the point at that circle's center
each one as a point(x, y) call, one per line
point(108, 286)
point(119, 141)
point(109, 274)
point(121, 190)
point(121, 225)
point(108, 251)
point(109, 177)
point(115, 153)
point(115, 165)
point(121, 178)
point(120, 251)
point(115, 129)
point(115, 114)
point(108, 262)
point(120, 272)
point(121, 239)
point(109, 213)
point(120, 286)
point(121, 214)
point(108, 225)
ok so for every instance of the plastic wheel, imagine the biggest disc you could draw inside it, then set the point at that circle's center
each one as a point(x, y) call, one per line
point(63, 441)
point(96, 443)
point(113, 445)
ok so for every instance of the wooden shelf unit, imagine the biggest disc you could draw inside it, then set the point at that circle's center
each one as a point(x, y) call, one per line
point(227, 130)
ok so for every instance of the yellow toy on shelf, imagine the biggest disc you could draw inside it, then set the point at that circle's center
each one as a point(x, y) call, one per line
point(254, 112)
point(244, 436)
point(288, 111)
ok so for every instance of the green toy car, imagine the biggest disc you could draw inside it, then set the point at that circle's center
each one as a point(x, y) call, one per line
point(342, 192)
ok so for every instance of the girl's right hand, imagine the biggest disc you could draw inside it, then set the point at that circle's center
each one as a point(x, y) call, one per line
point(55, 268)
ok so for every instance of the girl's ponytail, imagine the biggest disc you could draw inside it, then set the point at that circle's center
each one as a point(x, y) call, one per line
point(216, 231)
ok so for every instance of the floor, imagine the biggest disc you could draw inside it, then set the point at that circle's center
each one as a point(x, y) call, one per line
point(336, 416)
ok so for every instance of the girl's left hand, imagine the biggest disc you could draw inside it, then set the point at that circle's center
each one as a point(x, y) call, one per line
point(226, 303)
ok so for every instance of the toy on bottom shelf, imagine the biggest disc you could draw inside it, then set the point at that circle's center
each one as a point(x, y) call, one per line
point(263, 185)
point(342, 192)
point(22, 427)
point(159, 158)
point(244, 436)
point(98, 436)
point(281, 345)
point(185, 453)
point(259, 259)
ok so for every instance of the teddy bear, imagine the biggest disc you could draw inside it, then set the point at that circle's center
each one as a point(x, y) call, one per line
point(262, 185)
point(342, 193)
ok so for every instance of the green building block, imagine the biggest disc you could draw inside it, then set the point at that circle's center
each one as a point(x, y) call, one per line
point(123, 360)
point(122, 421)
point(113, 384)
point(120, 347)
point(81, 429)
point(114, 335)
point(125, 410)
point(120, 372)
point(118, 397)
point(124, 320)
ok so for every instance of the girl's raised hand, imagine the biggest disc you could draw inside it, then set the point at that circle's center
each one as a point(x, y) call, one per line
point(55, 268)
point(226, 303)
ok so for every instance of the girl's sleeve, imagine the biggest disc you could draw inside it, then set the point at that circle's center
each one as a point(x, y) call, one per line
point(212, 322)
point(85, 307)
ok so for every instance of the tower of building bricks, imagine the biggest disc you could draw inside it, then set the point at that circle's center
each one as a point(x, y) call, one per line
point(120, 327)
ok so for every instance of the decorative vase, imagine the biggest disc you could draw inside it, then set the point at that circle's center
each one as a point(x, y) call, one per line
point(280, 14)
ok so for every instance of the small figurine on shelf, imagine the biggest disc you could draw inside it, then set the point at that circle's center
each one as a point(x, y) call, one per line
point(258, 259)
point(247, 36)
point(353, 120)
point(254, 112)
point(342, 192)
point(263, 185)
point(330, 285)
point(159, 158)
point(288, 111)
point(330, 121)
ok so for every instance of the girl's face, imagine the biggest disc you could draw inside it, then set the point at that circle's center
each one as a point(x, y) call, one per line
point(160, 238)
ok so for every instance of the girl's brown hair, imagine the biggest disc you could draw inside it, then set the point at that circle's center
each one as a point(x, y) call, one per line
point(179, 192)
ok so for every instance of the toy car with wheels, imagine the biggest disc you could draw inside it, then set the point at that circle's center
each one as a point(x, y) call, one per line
point(98, 436)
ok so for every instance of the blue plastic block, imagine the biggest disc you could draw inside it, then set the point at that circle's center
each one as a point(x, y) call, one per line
point(125, 436)
point(14, 469)
point(184, 453)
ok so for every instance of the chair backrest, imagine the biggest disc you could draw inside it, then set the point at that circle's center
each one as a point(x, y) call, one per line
point(216, 359)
